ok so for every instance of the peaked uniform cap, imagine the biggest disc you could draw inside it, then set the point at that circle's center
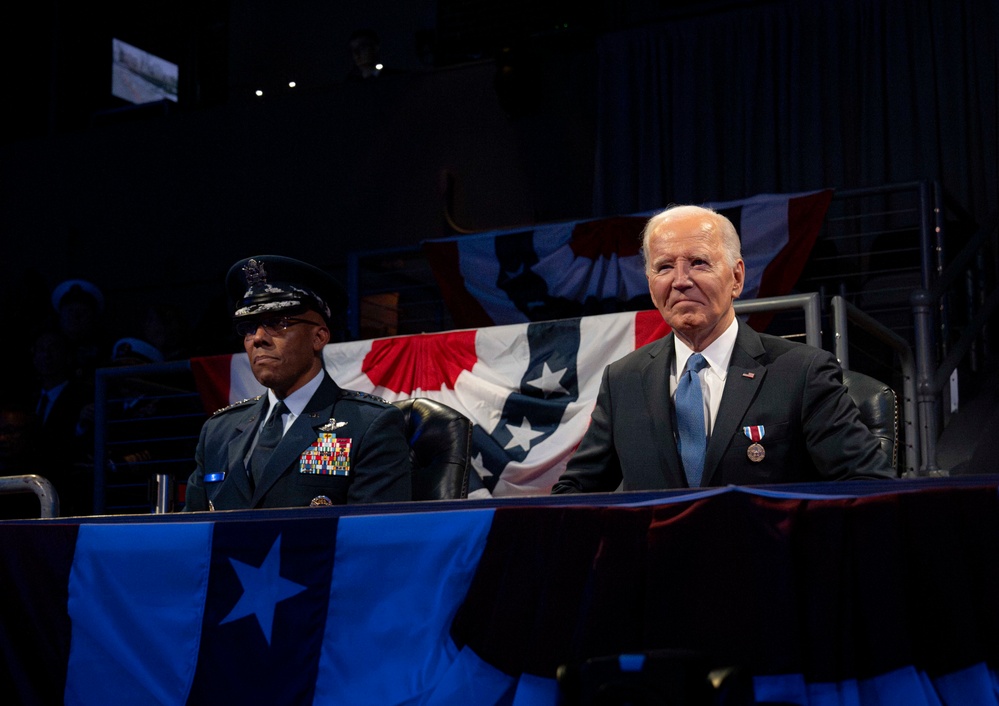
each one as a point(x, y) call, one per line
point(278, 285)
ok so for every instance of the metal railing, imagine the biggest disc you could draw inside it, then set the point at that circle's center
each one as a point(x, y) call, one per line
point(845, 313)
point(929, 308)
point(48, 498)
point(809, 304)
point(165, 434)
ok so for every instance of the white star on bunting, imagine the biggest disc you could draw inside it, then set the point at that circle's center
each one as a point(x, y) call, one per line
point(480, 466)
point(263, 589)
point(521, 436)
point(549, 381)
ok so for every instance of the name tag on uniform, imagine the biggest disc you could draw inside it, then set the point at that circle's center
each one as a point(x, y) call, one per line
point(328, 456)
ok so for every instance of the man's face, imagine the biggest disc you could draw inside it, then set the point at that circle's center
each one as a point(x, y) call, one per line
point(287, 359)
point(690, 280)
point(78, 318)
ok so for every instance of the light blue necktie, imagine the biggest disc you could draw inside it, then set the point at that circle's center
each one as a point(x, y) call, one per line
point(690, 420)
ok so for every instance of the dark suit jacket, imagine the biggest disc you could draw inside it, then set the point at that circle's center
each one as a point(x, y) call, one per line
point(812, 427)
point(64, 429)
point(379, 466)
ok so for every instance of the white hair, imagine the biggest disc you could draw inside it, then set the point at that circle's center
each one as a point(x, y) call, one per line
point(713, 222)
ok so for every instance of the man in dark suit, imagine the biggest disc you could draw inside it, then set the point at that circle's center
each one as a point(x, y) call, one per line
point(761, 409)
point(307, 441)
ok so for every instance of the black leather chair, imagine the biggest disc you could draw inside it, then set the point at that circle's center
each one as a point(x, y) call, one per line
point(440, 442)
point(878, 409)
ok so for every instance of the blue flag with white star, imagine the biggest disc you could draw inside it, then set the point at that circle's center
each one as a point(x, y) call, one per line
point(353, 610)
point(485, 606)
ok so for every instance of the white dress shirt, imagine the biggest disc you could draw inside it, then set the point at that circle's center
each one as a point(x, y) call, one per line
point(713, 377)
point(295, 402)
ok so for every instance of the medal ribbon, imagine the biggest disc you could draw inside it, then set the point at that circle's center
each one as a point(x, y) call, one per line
point(755, 434)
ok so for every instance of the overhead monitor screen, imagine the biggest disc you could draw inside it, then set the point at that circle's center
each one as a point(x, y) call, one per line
point(140, 77)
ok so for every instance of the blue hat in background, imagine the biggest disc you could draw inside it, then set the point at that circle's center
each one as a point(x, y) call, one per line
point(76, 288)
point(278, 285)
point(135, 351)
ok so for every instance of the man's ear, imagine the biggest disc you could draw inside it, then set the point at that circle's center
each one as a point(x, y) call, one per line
point(321, 338)
point(739, 275)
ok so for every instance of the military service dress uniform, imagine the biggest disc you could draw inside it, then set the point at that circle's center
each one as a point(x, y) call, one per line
point(344, 448)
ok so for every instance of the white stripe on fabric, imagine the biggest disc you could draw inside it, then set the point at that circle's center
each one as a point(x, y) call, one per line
point(242, 384)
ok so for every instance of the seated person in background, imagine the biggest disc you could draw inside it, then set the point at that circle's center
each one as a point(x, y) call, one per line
point(761, 410)
point(79, 305)
point(63, 406)
point(306, 441)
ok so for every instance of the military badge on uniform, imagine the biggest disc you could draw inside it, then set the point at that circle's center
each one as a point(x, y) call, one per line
point(332, 425)
point(328, 456)
point(755, 452)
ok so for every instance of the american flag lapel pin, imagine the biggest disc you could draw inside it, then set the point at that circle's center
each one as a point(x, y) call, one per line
point(749, 375)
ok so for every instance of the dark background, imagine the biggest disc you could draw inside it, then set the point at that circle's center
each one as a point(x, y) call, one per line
point(507, 113)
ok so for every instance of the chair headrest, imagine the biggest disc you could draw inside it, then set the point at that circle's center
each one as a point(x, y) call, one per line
point(440, 440)
point(878, 409)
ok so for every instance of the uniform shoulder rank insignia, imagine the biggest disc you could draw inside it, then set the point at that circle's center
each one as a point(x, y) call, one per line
point(234, 405)
point(366, 396)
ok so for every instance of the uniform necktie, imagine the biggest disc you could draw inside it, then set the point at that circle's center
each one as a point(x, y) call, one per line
point(270, 436)
point(690, 420)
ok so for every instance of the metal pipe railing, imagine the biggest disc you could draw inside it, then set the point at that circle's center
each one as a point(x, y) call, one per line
point(101, 378)
point(48, 498)
point(931, 377)
point(845, 313)
point(809, 303)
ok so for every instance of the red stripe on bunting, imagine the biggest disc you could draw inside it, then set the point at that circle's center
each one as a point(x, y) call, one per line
point(805, 216)
point(425, 362)
point(211, 376)
point(649, 327)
